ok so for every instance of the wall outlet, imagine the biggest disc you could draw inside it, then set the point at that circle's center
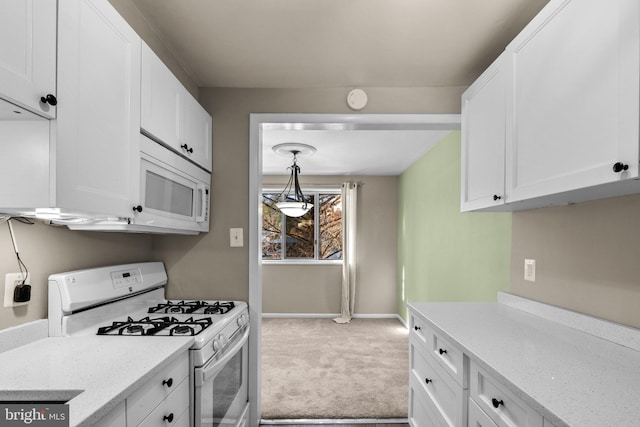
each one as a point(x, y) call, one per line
point(11, 280)
point(530, 270)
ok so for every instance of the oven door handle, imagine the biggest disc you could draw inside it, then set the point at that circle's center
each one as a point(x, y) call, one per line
point(214, 365)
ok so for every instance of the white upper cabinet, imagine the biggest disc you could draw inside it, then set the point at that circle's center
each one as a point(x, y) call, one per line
point(571, 113)
point(483, 139)
point(97, 131)
point(196, 131)
point(572, 109)
point(28, 55)
point(170, 115)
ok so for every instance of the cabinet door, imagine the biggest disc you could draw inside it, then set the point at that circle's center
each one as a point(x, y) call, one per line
point(196, 131)
point(573, 111)
point(161, 93)
point(170, 115)
point(483, 139)
point(98, 127)
point(28, 53)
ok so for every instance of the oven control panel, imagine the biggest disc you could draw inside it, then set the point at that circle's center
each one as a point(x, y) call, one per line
point(124, 278)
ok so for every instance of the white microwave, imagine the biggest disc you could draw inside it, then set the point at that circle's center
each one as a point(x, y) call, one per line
point(174, 196)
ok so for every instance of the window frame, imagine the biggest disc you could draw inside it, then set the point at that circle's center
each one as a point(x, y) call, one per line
point(316, 191)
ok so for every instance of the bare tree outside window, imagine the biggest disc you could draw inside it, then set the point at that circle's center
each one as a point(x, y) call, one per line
point(298, 240)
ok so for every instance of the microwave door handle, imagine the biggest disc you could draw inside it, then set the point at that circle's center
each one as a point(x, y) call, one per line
point(201, 188)
point(214, 366)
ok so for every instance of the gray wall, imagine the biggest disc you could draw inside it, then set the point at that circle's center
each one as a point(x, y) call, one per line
point(317, 288)
point(206, 267)
point(47, 249)
point(586, 254)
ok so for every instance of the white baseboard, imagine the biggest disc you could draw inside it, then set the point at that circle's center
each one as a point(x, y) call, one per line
point(331, 422)
point(331, 316)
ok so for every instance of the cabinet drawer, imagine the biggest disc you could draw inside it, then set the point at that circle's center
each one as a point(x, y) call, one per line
point(171, 410)
point(419, 329)
point(477, 417)
point(501, 405)
point(158, 388)
point(183, 420)
point(446, 395)
point(450, 358)
point(421, 411)
point(447, 355)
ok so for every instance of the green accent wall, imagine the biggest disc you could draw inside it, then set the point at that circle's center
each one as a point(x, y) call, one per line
point(443, 254)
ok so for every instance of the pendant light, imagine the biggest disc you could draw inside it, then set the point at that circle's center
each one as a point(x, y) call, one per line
point(296, 204)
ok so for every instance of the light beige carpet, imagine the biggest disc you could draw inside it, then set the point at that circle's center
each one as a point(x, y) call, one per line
point(316, 368)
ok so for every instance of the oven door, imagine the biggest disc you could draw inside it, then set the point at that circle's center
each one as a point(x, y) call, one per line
point(221, 388)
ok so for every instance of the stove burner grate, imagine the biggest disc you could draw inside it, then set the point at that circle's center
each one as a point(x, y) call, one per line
point(193, 307)
point(161, 326)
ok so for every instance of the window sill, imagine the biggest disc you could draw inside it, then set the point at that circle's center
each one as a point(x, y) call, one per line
point(302, 262)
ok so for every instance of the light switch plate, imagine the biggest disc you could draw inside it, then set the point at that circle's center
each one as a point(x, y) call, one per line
point(236, 238)
point(11, 280)
point(530, 270)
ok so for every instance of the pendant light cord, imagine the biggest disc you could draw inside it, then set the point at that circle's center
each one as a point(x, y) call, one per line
point(293, 182)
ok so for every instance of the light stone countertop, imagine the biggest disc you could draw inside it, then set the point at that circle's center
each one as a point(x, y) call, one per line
point(95, 372)
point(572, 378)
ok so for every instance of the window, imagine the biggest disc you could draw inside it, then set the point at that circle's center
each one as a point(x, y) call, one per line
point(315, 236)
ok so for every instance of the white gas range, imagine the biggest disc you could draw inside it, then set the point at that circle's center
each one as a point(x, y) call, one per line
point(129, 300)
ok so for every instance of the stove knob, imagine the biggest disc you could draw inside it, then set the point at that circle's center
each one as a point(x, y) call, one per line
point(216, 344)
point(242, 320)
point(223, 339)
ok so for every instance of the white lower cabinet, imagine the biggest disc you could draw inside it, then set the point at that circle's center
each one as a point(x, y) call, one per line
point(477, 417)
point(500, 404)
point(421, 412)
point(438, 396)
point(449, 389)
point(164, 399)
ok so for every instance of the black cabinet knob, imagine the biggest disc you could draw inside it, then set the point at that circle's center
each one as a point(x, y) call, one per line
point(168, 417)
point(186, 148)
point(417, 328)
point(496, 197)
point(619, 167)
point(442, 351)
point(168, 382)
point(49, 99)
point(495, 402)
point(427, 380)
point(137, 208)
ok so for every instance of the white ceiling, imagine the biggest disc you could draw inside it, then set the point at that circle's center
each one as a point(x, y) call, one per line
point(349, 152)
point(338, 44)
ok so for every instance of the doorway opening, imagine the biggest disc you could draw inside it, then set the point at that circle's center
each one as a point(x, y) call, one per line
point(259, 124)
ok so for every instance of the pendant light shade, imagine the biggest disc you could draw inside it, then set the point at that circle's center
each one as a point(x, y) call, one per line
point(296, 204)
